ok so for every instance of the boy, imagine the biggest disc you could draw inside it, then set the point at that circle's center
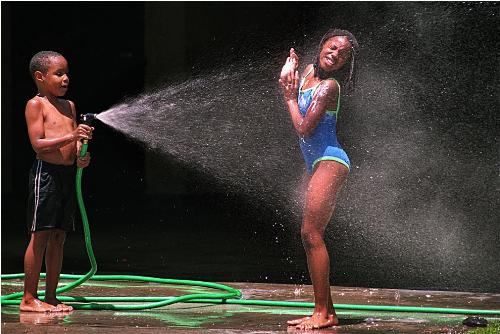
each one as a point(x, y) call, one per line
point(55, 138)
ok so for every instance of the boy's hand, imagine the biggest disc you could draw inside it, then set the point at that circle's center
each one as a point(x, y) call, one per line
point(84, 161)
point(83, 131)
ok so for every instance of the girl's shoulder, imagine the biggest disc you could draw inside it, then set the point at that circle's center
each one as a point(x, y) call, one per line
point(331, 82)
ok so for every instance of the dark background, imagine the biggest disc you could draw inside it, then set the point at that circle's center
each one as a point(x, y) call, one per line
point(420, 209)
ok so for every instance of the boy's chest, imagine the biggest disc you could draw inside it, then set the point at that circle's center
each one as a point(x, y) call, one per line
point(57, 119)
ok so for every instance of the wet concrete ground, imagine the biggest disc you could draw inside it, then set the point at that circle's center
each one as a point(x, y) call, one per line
point(210, 318)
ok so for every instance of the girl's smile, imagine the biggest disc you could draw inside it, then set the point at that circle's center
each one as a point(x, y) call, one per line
point(335, 53)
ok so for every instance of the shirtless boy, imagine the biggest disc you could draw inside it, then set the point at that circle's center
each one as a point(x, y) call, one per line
point(55, 138)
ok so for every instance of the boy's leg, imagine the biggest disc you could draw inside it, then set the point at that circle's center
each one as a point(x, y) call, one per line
point(32, 266)
point(53, 264)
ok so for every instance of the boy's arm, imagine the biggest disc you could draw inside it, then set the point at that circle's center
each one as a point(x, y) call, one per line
point(36, 132)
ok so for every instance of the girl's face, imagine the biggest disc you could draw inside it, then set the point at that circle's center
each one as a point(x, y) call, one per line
point(335, 52)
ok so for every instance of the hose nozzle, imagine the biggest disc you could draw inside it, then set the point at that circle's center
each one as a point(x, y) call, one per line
point(88, 118)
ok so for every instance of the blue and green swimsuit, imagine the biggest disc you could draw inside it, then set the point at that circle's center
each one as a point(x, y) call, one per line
point(322, 143)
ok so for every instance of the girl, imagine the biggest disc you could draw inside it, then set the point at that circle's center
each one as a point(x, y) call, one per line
point(313, 108)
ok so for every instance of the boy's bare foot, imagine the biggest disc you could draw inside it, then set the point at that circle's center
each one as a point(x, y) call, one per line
point(316, 321)
point(36, 305)
point(59, 306)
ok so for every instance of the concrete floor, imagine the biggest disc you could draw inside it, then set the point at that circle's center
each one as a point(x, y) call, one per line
point(209, 318)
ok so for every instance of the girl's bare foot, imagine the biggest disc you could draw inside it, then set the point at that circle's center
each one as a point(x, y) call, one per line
point(59, 306)
point(297, 321)
point(317, 321)
point(36, 305)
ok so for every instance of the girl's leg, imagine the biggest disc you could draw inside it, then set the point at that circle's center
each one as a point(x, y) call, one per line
point(321, 197)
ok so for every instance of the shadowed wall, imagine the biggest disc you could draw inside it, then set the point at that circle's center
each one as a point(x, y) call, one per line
point(420, 209)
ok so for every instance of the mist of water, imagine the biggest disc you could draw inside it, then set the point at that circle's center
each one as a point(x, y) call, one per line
point(230, 125)
point(401, 203)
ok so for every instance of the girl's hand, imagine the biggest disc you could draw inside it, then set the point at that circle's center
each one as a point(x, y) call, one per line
point(290, 86)
point(84, 161)
point(291, 65)
point(294, 59)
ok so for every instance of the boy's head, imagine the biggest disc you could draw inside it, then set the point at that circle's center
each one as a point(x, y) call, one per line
point(49, 70)
point(41, 61)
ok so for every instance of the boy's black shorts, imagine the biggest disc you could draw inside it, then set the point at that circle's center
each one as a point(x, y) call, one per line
point(52, 197)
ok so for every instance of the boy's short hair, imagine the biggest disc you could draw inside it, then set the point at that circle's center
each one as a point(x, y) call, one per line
point(41, 61)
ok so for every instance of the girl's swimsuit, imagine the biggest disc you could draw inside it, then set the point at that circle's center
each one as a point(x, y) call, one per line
point(322, 144)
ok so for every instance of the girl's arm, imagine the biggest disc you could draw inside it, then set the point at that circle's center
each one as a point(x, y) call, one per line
point(324, 98)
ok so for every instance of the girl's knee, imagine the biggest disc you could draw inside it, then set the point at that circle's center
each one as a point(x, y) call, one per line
point(311, 238)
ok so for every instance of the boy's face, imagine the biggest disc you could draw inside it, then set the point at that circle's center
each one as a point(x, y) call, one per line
point(56, 80)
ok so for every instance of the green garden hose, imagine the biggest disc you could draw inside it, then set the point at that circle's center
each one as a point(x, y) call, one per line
point(228, 295)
